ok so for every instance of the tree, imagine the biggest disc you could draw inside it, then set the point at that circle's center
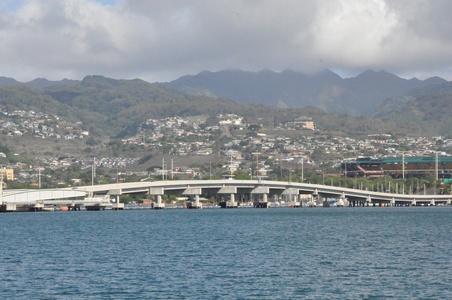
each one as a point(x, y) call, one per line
point(254, 127)
point(91, 141)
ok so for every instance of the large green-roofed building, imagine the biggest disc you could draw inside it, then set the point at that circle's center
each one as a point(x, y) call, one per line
point(397, 167)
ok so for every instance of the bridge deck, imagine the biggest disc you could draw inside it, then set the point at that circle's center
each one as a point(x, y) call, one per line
point(215, 186)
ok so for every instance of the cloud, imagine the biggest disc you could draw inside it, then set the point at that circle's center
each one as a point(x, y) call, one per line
point(162, 40)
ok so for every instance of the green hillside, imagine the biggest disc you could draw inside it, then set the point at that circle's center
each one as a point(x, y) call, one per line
point(430, 113)
point(115, 108)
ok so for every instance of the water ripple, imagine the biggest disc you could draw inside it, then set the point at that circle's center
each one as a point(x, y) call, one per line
point(348, 253)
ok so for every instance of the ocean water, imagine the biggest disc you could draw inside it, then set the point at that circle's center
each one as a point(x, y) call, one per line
point(277, 253)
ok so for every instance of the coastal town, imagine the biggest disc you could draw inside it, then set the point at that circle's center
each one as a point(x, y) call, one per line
point(224, 144)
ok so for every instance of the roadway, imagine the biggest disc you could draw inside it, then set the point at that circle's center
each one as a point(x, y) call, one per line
point(225, 186)
point(199, 187)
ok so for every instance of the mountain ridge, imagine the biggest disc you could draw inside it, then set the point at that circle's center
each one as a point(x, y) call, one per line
point(37, 82)
point(325, 89)
point(115, 108)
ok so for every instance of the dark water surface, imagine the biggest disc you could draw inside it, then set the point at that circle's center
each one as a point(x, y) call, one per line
point(280, 253)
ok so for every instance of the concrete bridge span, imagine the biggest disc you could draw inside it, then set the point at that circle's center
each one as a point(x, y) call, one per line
point(35, 196)
point(263, 187)
point(37, 199)
point(226, 188)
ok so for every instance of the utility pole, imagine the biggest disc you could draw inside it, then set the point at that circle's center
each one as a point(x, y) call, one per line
point(290, 173)
point(1, 189)
point(257, 164)
point(436, 165)
point(230, 167)
point(302, 170)
point(403, 165)
point(39, 177)
point(93, 172)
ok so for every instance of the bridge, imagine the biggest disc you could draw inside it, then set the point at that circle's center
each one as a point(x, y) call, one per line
point(257, 191)
point(36, 200)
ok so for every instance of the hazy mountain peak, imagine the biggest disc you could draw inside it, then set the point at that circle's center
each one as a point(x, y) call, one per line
point(39, 83)
point(371, 74)
point(99, 81)
point(435, 80)
point(8, 81)
point(326, 89)
point(266, 71)
point(326, 74)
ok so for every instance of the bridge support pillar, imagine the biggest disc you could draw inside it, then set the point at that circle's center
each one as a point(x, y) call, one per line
point(231, 203)
point(314, 198)
point(294, 201)
point(342, 200)
point(158, 204)
point(262, 203)
point(157, 192)
point(117, 205)
point(194, 204)
point(193, 192)
point(37, 207)
point(7, 207)
point(413, 203)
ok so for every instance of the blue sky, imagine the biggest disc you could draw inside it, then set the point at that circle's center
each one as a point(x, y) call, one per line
point(163, 40)
point(11, 5)
point(14, 5)
point(108, 2)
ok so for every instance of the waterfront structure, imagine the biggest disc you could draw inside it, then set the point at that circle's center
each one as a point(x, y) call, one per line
point(37, 200)
point(258, 191)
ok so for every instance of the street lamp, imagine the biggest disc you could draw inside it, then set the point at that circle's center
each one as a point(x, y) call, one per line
point(302, 169)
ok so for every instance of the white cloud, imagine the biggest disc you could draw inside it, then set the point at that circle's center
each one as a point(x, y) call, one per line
point(162, 40)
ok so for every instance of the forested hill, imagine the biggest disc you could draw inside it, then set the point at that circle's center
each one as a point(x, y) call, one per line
point(427, 108)
point(116, 108)
point(38, 82)
point(326, 90)
point(113, 107)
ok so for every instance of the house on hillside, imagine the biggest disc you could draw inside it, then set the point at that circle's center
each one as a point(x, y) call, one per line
point(302, 122)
